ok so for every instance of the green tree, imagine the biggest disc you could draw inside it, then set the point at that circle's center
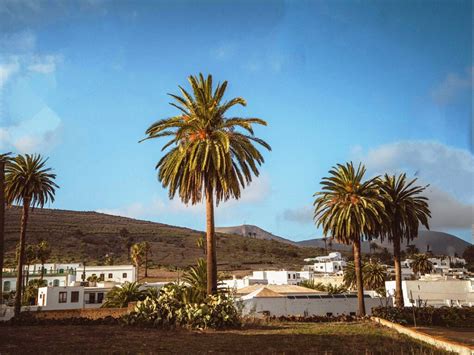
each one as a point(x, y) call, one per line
point(201, 244)
point(30, 297)
point(30, 183)
point(209, 158)
point(406, 210)
point(136, 255)
point(109, 259)
point(120, 296)
point(468, 255)
point(3, 161)
point(196, 277)
point(348, 208)
point(146, 253)
point(421, 264)
point(43, 253)
point(30, 257)
point(375, 275)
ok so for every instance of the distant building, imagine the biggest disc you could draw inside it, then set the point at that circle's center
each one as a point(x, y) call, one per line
point(330, 264)
point(435, 291)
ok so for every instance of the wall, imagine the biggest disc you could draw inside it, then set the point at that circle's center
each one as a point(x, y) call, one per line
point(96, 313)
point(286, 307)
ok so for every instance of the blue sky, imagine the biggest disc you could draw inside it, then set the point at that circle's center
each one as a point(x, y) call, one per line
point(388, 83)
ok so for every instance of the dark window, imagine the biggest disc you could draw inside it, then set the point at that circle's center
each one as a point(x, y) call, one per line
point(6, 286)
point(329, 314)
point(74, 296)
point(91, 297)
point(111, 276)
point(62, 297)
point(100, 297)
point(124, 275)
point(102, 276)
point(56, 282)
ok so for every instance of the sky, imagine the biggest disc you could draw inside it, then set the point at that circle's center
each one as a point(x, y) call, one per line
point(385, 83)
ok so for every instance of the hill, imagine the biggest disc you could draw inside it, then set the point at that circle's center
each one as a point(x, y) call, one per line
point(78, 236)
point(439, 243)
point(248, 230)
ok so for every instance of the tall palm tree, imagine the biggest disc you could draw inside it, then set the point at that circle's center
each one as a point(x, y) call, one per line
point(43, 252)
point(210, 157)
point(421, 264)
point(146, 252)
point(136, 255)
point(30, 183)
point(348, 208)
point(3, 161)
point(406, 210)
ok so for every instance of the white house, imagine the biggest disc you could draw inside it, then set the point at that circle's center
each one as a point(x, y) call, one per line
point(435, 291)
point(265, 301)
point(116, 273)
point(281, 277)
point(330, 264)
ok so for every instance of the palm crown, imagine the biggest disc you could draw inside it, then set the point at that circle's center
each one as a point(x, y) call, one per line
point(404, 205)
point(28, 180)
point(207, 149)
point(347, 207)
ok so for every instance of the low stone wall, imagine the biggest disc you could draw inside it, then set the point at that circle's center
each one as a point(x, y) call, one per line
point(93, 313)
point(439, 343)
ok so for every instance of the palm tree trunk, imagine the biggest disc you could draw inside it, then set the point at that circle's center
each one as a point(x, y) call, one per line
point(2, 224)
point(398, 272)
point(19, 276)
point(211, 243)
point(358, 275)
point(146, 263)
point(137, 266)
point(42, 271)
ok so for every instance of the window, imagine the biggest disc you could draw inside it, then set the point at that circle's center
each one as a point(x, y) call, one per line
point(102, 277)
point(62, 297)
point(6, 286)
point(124, 275)
point(111, 276)
point(100, 297)
point(56, 282)
point(91, 297)
point(61, 271)
point(74, 296)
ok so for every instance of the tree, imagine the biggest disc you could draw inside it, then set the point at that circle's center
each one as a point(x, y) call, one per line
point(196, 277)
point(30, 183)
point(127, 239)
point(411, 249)
point(375, 275)
point(348, 208)
point(30, 296)
point(406, 210)
point(421, 264)
point(109, 259)
point(120, 296)
point(209, 157)
point(3, 161)
point(146, 252)
point(200, 243)
point(30, 256)
point(136, 255)
point(373, 247)
point(468, 255)
point(43, 252)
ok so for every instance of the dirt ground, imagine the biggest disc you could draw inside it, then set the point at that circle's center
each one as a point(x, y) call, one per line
point(293, 338)
point(463, 336)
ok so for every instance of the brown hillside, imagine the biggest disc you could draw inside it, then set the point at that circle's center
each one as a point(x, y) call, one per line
point(77, 236)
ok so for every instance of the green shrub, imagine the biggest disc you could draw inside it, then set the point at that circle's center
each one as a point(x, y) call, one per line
point(428, 316)
point(175, 306)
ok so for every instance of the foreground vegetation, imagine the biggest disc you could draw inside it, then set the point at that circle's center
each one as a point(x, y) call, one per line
point(274, 337)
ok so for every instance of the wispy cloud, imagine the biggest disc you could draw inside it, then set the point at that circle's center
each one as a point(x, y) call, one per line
point(452, 87)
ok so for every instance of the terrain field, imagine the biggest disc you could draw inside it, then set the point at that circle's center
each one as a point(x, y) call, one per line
point(293, 338)
point(88, 236)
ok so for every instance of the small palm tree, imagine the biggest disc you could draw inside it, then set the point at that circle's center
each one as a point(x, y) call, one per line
point(421, 264)
point(31, 183)
point(209, 158)
point(375, 275)
point(201, 244)
point(136, 255)
point(348, 208)
point(120, 296)
point(196, 277)
point(43, 252)
point(406, 210)
point(3, 161)
point(349, 277)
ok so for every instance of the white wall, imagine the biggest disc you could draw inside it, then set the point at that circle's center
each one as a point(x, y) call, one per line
point(48, 298)
point(117, 273)
point(62, 280)
point(286, 306)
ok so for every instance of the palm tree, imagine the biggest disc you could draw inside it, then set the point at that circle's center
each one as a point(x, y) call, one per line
point(30, 183)
point(31, 291)
point(3, 160)
point(196, 277)
point(421, 264)
point(210, 158)
point(375, 275)
point(200, 243)
point(120, 296)
point(30, 256)
point(136, 255)
point(146, 252)
point(373, 247)
point(43, 252)
point(406, 209)
point(412, 250)
point(348, 208)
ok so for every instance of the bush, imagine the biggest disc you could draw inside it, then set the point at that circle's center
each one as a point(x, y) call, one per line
point(175, 307)
point(428, 316)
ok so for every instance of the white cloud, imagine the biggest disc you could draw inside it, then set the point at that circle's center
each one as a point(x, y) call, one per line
point(44, 64)
point(7, 70)
point(452, 86)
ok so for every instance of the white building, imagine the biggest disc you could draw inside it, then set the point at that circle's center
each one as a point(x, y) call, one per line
point(448, 266)
point(435, 291)
point(281, 277)
point(330, 264)
point(72, 297)
point(115, 273)
point(268, 302)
